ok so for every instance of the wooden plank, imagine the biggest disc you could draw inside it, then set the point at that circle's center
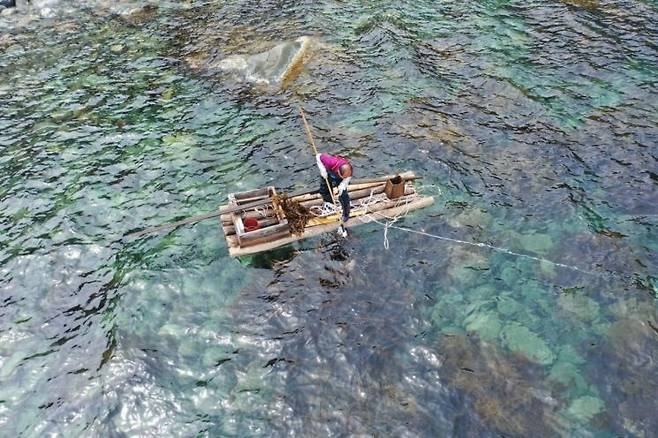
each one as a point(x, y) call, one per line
point(354, 194)
point(351, 188)
point(282, 234)
point(229, 229)
point(317, 230)
point(262, 232)
point(252, 199)
point(264, 213)
point(251, 194)
point(268, 219)
point(408, 175)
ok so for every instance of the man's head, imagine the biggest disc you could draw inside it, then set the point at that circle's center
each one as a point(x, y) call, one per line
point(345, 170)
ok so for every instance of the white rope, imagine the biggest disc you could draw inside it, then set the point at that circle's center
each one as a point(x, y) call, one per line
point(372, 200)
point(326, 209)
point(262, 211)
point(391, 221)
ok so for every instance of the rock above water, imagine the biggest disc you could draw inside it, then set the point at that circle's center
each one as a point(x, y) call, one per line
point(274, 66)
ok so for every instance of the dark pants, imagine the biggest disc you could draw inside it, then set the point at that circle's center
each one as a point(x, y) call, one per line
point(344, 198)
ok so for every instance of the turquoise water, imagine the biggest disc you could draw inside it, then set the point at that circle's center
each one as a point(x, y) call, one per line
point(534, 125)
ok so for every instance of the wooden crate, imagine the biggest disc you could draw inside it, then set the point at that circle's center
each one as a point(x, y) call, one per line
point(272, 231)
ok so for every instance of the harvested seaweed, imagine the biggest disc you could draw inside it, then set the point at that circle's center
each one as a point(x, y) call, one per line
point(296, 214)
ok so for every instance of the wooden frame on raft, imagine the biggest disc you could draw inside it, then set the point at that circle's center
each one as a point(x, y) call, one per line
point(274, 230)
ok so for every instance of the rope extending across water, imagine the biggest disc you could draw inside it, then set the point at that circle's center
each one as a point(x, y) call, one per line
point(390, 223)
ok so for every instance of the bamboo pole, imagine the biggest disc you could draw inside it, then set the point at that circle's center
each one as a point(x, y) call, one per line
point(315, 150)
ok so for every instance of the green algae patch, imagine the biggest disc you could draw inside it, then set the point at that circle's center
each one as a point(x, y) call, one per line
point(521, 340)
point(584, 408)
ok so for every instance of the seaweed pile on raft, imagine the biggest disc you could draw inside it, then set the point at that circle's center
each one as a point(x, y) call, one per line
point(296, 214)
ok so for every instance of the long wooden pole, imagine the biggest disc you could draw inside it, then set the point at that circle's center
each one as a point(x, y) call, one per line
point(203, 217)
point(315, 149)
point(342, 229)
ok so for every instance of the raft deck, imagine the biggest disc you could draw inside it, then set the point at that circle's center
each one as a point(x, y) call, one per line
point(368, 197)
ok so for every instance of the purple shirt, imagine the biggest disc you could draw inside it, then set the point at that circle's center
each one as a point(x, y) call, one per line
point(332, 163)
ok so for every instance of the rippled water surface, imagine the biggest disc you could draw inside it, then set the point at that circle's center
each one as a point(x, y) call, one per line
point(534, 125)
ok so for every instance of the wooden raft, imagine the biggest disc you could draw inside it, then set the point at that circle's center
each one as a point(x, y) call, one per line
point(274, 231)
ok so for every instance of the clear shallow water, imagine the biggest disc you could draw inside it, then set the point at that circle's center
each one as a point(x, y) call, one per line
point(534, 125)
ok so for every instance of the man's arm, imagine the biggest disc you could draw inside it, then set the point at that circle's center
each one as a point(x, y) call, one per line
point(323, 170)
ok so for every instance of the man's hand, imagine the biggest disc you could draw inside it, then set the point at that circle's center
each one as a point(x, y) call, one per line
point(323, 170)
point(343, 185)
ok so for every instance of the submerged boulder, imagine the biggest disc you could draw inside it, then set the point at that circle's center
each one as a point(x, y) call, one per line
point(584, 408)
point(521, 340)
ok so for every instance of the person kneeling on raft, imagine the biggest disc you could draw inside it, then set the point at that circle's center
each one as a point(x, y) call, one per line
point(338, 171)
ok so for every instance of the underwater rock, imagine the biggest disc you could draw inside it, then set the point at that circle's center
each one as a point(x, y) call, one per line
point(510, 274)
point(473, 218)
point(278, 65)
point(521, 340)
point(508, 306)
point(498, 386)
point(7, 3)
point(538, 243)
point(43, 8)
point(486, 325)
point(590, 5)
point(584, 408)
point(567, 375)
point(583, 307)
point(627, 380)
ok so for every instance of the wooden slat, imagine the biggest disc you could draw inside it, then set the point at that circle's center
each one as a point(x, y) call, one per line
point(262, 232)
point(229, 229)
point(241, 197)
point(282, 234)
